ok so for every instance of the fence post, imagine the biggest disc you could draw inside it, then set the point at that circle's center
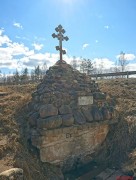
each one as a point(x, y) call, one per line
point(127, 74)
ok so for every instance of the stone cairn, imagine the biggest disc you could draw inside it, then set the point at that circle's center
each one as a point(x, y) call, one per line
point(66, 97)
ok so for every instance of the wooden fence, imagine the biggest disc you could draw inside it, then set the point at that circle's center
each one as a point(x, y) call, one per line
point(126, 73)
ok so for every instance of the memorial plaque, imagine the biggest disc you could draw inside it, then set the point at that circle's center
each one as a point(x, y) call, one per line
point(85, 100)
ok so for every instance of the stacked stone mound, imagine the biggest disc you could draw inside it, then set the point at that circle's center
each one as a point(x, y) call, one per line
point(57, 102)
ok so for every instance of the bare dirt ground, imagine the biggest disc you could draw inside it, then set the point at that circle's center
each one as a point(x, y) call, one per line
point(14, 151)
point(120, 145)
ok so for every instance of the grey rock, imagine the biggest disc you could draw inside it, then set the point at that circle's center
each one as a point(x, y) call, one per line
point(79, 117)
point(65, 109)
point(88, 115)
point(33, 119)
point(97, 115)
point(50, 122)
point(99, 96)
point(67, 120)
point(30, 106)
point(106, 113)
point(46, 100)
point(48, 110)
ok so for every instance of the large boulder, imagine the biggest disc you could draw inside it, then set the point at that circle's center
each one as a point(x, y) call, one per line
point(99, 96)
point(65, 109)
point(79, 117)
point(106, 113)
point(48, 110)
point(88, 115)
point(67, 120)
point(97, 115)
point(50, 122)
point(33, 119)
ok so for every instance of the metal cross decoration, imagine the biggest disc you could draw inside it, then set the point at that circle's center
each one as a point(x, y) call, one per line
point(61, 38)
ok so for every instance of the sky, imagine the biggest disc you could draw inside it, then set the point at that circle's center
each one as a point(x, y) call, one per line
point(97, 29)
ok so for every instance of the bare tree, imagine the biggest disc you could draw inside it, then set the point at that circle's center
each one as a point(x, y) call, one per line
point(74, 63)
point(83, 66)
point(122, 61)
point(43, 69)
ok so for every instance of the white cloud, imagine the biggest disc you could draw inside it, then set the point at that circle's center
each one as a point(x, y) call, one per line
point(4, 39)
point(17, 49)
point(104, 63)
point(16, 55)
point(106, 27)
point(1, 31)
point(96, 41)
point(17, 25)
point(85, 46)
point(128, 57)
point(37, 47)
point(131, 67)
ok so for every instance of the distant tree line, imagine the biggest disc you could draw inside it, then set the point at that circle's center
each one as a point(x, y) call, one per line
point(24, 76)
point(84, 65)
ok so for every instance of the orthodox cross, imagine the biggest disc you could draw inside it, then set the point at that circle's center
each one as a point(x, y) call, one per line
point(61, 38)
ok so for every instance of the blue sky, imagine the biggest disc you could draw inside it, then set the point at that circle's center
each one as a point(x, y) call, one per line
point(97, 29)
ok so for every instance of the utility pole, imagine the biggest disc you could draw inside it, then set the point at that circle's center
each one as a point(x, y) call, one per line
point(60, 31)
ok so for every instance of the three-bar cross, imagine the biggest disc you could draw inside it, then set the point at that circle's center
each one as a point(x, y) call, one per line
point(61, 38)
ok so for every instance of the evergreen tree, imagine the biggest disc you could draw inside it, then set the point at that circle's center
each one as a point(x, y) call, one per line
point(16, 77)
point(89, 66)
point(86, 66)
point(37, 72)
point(24, 76)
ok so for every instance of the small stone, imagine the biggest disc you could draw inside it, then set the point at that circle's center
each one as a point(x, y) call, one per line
point(47, 95)
point(46, 100)
point(41, 98)
point(36, 98)
point(37, 107)
point(48, 110)
point(58, 103)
